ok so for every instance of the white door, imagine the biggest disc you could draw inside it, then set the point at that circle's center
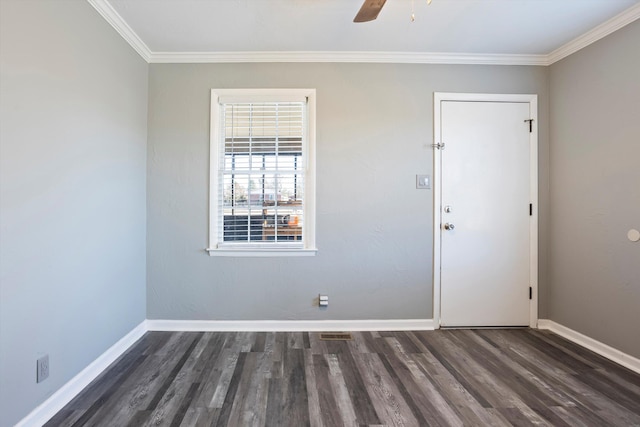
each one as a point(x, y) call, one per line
point(485, 214)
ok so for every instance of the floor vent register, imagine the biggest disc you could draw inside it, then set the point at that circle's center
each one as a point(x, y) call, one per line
point(336, 336)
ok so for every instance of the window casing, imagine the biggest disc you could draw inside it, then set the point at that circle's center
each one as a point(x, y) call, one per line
point(262, 192)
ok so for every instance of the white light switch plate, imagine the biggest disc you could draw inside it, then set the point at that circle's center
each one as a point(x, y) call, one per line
point(423, 181)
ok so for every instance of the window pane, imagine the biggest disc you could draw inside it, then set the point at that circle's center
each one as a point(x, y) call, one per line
point(235, 190)
point(242, 224)
point(288, 163)
point(270, 163)
point(257, 163)
point(255, 192)
point(290, 187)
point(281, 225)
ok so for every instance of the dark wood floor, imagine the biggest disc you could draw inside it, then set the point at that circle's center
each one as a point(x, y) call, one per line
point(444, 377)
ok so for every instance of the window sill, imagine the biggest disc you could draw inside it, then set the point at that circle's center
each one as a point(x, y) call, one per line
point(253, 252)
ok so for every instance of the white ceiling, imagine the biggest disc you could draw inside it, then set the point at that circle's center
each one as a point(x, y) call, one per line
point(520, 27)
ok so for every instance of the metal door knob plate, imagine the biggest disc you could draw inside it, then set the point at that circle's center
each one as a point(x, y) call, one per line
point(448, 226)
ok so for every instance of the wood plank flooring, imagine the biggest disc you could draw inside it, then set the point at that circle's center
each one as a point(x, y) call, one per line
point(427, 378)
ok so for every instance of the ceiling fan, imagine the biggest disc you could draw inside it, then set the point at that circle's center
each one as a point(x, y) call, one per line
point(370, 10)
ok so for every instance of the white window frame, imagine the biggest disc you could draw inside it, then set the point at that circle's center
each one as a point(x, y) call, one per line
point(308, 247)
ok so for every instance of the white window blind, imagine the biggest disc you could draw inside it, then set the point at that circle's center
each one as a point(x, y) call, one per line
point(262, 192)
point(262, 163)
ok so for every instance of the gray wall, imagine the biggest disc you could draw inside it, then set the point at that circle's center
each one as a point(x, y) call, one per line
point(72, 179)
point(374, 229)
point(595, 194)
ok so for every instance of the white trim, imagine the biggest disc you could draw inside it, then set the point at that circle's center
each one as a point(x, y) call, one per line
point(261, 252)
point(348, 56)
point(47, 409)
point(214, 164)
point(533, 220)
point(532, 100)
point(597, 33)
point(110, 15)
point(437, 208)
point(596, 346)
point(290, 325)
point(484, 97)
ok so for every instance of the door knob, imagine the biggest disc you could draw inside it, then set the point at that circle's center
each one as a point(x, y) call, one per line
point(448, 226)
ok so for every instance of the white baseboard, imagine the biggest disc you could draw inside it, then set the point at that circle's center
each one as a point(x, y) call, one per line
point(290, 325)
point(602, 349)
point(47, 409)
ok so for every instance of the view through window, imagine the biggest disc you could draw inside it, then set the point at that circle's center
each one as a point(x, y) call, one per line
point(262, 176)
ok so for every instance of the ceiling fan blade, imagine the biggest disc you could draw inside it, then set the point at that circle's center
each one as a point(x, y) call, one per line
point(369, 10)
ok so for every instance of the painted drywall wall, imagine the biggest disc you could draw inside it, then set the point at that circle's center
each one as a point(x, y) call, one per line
point(374, 228)
point(72, 204)
point(595, 195)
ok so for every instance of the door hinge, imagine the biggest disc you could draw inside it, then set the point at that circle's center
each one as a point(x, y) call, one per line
point(530, 124)
point(530, 292)
point(530, 209)
point(438, 146)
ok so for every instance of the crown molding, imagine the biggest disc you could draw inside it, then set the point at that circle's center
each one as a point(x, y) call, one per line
point(348, 56)
point(107, 11)
point(592, 36)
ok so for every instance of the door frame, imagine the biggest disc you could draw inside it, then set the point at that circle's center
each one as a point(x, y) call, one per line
point(532, 100)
